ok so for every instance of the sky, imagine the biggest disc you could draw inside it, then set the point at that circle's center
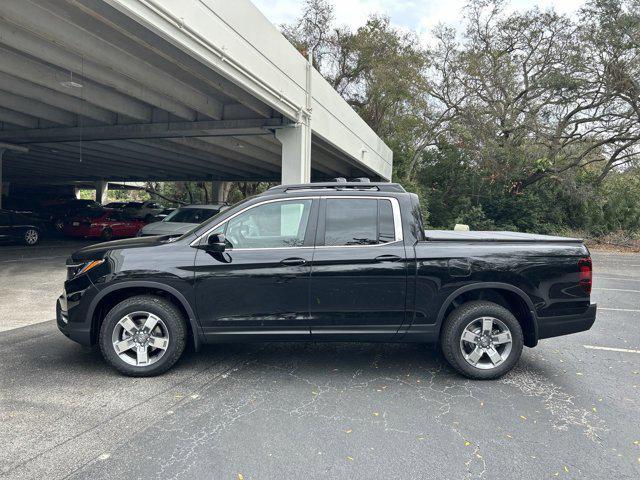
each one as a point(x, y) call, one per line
point(420, 16)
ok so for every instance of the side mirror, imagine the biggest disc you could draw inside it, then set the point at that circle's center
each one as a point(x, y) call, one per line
point(216, 243)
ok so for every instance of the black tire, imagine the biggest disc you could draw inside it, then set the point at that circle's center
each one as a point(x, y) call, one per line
point(31, 237)
point(456, 323)
point(106, 235)
point(164, 310)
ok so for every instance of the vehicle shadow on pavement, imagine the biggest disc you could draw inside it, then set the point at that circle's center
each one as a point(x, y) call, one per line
point(314, 358)
point(321, 361)
point(59, 358)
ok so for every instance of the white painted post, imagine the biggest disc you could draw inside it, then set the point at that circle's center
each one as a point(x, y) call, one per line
point(296, 168)
point(306, 115)
point(102, 189)
point(296, 140)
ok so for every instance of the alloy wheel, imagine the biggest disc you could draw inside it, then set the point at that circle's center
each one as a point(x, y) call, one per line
point(140, 339)
point(486, 343)
point(31, 237)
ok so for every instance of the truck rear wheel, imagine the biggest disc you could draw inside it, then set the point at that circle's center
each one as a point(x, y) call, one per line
point(143, 336)
point(482, 340)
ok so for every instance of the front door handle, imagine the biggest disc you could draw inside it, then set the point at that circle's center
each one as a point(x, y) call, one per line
point(388, 258)
point(293, 262)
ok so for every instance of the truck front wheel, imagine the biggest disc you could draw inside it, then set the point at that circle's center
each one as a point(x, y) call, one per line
point(482, 340)
point(143, 336)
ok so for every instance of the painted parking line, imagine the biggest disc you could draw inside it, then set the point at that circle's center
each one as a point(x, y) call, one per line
point(622, 279)
point(611, 349)
point(618, 309)
point(616, 290)
point(24, 259)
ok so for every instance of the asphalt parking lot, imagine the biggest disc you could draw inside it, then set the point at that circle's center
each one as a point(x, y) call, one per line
point(571, 409)
point(31, 280)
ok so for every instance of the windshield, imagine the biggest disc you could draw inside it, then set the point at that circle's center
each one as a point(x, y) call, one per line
point(190, 215)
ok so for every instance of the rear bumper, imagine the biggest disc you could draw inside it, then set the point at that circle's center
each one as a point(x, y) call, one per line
point(566, 324)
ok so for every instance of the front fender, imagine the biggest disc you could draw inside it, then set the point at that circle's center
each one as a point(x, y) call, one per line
point(195, 326)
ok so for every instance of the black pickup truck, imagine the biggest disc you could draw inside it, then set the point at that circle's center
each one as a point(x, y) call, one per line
point(327, 262)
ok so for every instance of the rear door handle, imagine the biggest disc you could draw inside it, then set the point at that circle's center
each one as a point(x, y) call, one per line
point(292, 262)
point(388, 258)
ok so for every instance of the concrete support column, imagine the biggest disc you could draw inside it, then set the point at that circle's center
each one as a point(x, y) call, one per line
point(219, 191)
point(102, 188)
point(3, 148)
point(296, 157)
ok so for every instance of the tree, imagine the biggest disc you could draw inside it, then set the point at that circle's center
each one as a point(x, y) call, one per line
point(536, 94)
point(377, 69)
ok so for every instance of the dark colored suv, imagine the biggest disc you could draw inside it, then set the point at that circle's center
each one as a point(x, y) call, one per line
point(324, 262)
point(19, 227)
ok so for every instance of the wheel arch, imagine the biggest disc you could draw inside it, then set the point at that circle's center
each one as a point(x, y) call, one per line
point(509, 296)
point(114, 294)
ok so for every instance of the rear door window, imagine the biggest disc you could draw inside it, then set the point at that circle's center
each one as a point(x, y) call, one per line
point(352, 222)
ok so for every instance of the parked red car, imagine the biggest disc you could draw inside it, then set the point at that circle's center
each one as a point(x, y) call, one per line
point(104, 224)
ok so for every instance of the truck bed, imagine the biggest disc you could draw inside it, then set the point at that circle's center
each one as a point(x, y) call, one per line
point(489, 236)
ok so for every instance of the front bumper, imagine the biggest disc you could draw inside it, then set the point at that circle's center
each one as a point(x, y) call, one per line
point(566, 324)
point(72, 309)
point(78, 332)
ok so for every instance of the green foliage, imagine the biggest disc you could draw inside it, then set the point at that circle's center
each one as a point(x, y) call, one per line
point(458, 193)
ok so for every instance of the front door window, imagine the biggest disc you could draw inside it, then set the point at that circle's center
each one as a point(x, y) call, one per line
point(270, 225)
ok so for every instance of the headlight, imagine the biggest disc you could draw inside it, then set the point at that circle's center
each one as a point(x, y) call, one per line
point(80, 268)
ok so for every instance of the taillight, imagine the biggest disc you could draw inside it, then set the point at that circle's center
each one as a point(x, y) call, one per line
point(586, 274)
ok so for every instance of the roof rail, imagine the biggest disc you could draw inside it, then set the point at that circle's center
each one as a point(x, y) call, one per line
point(345, 186)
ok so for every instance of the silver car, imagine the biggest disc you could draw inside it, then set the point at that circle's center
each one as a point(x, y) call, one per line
point(181, 220)
point(145, 210)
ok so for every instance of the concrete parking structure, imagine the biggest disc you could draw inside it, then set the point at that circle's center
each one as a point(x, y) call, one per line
point(92, 91)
